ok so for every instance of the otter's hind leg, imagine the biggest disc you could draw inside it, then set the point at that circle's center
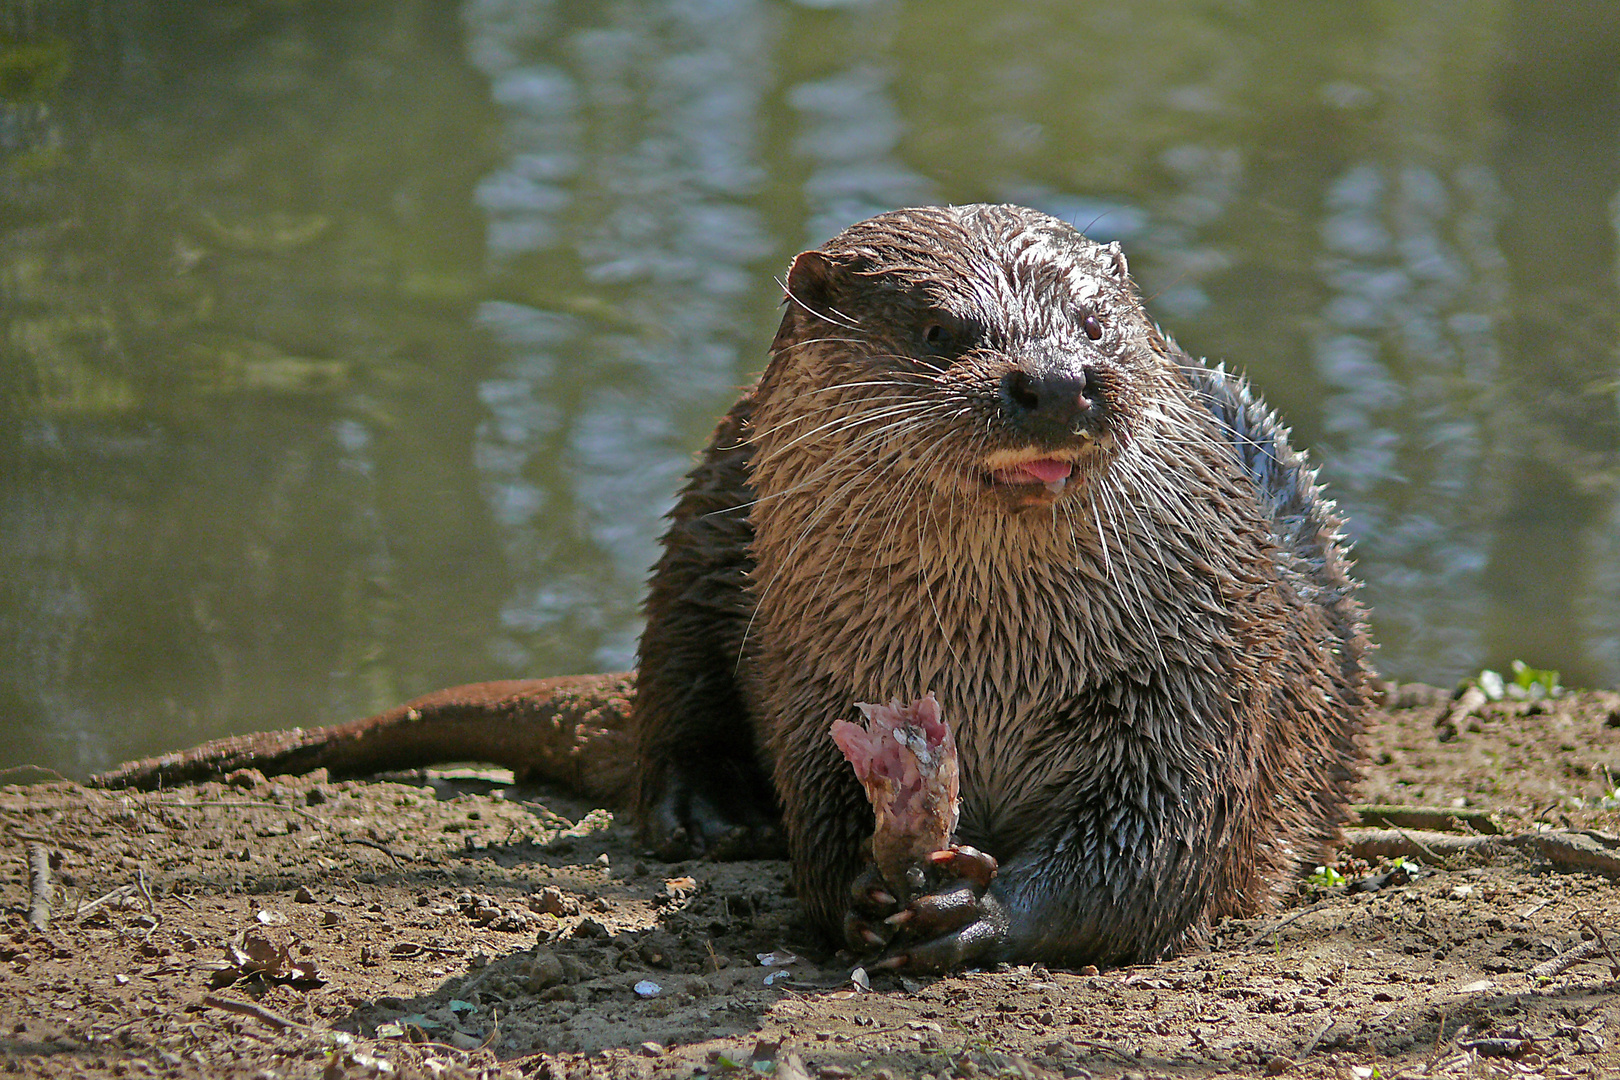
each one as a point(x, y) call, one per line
point(704, 787)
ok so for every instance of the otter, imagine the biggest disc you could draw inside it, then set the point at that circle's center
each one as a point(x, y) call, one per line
point(973, 466)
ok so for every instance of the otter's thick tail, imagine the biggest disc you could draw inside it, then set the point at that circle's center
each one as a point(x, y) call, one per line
point(572, 730)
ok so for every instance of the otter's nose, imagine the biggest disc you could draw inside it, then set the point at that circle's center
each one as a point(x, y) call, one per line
point(1051, 404)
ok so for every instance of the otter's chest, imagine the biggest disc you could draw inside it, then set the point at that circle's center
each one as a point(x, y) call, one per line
point(1008, 652)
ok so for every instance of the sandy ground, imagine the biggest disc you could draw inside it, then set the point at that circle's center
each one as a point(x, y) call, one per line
point(449, 924)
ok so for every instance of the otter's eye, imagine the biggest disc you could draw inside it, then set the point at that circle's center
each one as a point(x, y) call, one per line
point(944, 337)
point(1091, 326)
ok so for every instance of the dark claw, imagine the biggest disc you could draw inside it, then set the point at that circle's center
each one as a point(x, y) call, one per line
point(951, 920)
point(686, 824)
point(946, 911)
point(866, 926)
point(966, 862)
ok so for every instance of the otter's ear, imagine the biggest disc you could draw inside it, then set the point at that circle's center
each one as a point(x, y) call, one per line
point(809, 288)
point(1116, 258)
point(809, 280)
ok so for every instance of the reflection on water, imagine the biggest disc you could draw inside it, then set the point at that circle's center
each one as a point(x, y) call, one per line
point(356, 350)
point(1406, 345)
point(654, 208)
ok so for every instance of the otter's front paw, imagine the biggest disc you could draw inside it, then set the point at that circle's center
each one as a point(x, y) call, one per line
point(687, 822)
point(950, 918)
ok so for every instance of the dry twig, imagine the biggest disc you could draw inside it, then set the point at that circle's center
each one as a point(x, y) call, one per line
point(40, 885)
point(1586, 950)
point(1566, 960)
point(1321, 1031)
point(363, 842)
point(1597, 935)
point(1432, 818)
point(1261, 935)
point(258, 1012)
point(1566, 849)
point(106, 898)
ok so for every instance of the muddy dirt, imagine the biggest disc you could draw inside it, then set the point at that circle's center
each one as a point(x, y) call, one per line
point(448, 924)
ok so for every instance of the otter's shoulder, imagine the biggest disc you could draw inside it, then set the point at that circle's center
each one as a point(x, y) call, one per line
point(1307, 523)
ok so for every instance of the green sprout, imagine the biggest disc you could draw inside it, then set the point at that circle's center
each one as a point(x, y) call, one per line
point(1523, 683)
point(1325, 877)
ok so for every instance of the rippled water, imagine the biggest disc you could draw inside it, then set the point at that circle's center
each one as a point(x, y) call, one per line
point(353, 350)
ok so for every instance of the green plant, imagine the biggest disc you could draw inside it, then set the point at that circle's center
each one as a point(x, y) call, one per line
point(1524, 683)
point(1325, 877)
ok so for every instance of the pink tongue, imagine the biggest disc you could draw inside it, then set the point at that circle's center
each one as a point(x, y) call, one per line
point(1045, 470)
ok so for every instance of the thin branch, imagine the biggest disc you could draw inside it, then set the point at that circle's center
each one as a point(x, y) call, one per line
point(258, 1012)
point(41, 886)
point(1564, 961)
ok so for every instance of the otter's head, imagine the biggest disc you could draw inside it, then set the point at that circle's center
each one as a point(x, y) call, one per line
point(992, 355)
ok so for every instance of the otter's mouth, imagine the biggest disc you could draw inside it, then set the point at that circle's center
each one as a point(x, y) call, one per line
point(1050, 473)
point(1029, 476)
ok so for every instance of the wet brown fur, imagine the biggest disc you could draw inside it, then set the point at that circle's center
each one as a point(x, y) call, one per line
point(1156, 678)
point(1155, 686)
